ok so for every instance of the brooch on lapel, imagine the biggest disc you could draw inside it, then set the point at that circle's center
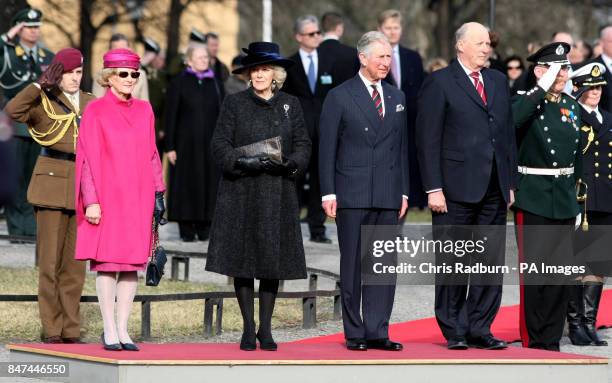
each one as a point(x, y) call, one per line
point(399, 108)
point(286, 108)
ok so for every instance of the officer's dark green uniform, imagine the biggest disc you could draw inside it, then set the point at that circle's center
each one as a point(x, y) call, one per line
point(158, 84)
point(19, 66)
point(593, 241)
point(549, 161)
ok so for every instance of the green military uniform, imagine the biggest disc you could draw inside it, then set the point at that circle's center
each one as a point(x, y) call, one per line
point(158, 84)
point(550, 164)
point(551, 140)
point(20, 66)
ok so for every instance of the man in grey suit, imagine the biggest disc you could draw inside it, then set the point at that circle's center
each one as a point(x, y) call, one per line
point(363, 167)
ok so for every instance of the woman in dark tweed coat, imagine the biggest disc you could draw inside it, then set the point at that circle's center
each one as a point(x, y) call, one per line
point(256, 231)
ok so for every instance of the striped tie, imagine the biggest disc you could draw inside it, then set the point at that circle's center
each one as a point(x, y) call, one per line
point(377, 101)
point(479, 86)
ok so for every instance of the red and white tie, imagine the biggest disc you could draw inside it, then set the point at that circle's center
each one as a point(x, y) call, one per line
point(479, 86)
point(377, 101)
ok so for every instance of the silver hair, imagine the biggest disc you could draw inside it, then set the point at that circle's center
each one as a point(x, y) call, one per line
point(368, 39)
point(298, 27)
point(460, 33)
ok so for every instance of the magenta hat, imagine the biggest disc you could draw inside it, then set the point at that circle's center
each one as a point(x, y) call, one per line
point(121, 58)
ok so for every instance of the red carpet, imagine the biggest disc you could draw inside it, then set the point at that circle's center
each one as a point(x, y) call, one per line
point(422, 341)
point(325, 352)
point(505, 326)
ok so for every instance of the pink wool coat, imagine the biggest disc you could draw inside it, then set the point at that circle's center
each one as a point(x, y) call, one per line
point(117, 141)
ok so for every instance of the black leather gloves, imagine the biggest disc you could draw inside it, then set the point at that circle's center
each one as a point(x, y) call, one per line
point(160, 209)
point(256, 165)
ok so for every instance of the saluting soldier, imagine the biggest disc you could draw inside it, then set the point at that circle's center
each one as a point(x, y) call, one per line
point(549, 162)
point(22, 60)
point(594, 240)
point(52, 109)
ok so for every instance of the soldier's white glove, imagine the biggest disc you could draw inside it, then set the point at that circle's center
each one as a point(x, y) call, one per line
point(578, 221)
point(546, 81)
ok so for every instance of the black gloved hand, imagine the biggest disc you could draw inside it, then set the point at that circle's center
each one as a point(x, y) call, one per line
point(273, 167)
point(251, 165)
point(290, 167)
point(160, 209)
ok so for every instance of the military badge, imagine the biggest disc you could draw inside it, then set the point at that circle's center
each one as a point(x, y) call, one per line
point(559, 51)
point(596, 72)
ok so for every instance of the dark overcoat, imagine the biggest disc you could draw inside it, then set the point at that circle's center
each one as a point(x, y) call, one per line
point(191, 115)
point(256, 231)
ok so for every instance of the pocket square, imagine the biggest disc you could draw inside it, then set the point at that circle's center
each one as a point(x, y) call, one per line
point(399, 108)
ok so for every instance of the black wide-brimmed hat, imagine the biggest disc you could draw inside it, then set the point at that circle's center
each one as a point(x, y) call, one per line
point(261, 53)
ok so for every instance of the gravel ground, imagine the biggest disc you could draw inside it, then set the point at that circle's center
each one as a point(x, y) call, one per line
point(411, 302)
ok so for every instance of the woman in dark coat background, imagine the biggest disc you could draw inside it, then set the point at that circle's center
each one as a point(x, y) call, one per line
point(256, 231)
point(194, 99)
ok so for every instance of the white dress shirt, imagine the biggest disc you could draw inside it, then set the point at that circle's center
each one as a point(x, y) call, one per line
point(368, 84)
point(74, 100)
point(396, 58)
point(306, 61)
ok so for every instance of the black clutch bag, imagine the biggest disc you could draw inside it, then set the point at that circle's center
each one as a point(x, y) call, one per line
point(270, 147)
point(155, 267)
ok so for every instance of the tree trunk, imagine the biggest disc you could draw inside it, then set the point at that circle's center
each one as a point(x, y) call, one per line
point(88, 35)
point(172, 34)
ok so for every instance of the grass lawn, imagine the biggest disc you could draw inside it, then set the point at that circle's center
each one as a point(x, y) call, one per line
point(170, 321)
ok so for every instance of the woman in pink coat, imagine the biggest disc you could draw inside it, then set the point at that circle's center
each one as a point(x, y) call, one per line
point(119, 188)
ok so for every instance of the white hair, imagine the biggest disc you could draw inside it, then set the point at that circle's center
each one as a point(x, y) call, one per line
point(301, 21)
point(368, 39)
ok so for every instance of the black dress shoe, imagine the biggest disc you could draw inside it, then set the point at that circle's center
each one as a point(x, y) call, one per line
point(457, 344)
point(129, 347)
point(248, 342)
point(487, 342)
point(320, 239)
point(384, 344)
point(53, 339)
point(356, 345)
point(110, 347)
point(73, 340)
point(266, 343)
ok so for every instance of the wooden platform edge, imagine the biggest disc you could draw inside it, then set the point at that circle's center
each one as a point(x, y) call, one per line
point(310, 362)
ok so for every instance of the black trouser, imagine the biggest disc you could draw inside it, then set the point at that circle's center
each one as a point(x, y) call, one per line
point(315, 216)
point(377, 299)
point(189, 229)
point(19, 213)
point(543, 306)
point(468, 312)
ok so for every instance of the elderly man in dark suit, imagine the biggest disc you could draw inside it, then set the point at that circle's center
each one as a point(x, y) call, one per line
point(310, 80)
point(407, 75)
point(467, 155)
point(363, 165)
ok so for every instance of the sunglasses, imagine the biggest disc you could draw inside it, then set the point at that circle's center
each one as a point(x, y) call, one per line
point(311, 34)
point(125, 74)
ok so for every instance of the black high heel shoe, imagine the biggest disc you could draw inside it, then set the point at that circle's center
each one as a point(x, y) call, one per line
point(267, 343)
point(248, 342)
point(110, 347)
point(129, 346)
